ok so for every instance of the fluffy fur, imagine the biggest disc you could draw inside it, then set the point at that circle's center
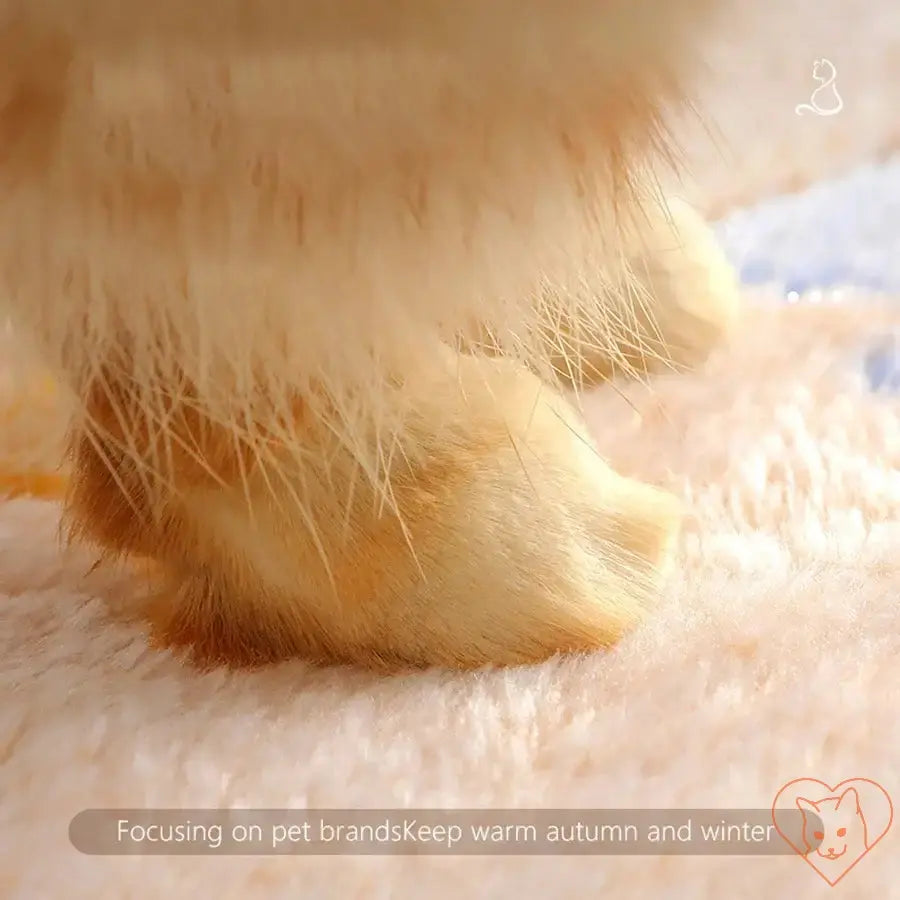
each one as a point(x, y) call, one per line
point(774, 654)
point(309, 271)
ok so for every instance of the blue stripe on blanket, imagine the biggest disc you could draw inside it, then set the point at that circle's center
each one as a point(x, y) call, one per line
point(841, 232)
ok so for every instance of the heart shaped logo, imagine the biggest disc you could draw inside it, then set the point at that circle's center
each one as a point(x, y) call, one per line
point(832, 828)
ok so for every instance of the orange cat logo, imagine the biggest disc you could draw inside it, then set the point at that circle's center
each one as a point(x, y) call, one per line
point(837, 826)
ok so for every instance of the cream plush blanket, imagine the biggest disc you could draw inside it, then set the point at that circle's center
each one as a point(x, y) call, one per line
point(774, 655)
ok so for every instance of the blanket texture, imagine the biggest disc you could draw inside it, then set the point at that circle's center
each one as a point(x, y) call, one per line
point(773, 656)
point(774, 653)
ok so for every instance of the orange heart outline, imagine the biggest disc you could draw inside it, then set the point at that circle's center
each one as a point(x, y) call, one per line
point(847, 783)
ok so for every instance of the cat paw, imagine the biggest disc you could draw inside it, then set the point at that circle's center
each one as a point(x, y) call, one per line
point(508, 540)
point(677, 302)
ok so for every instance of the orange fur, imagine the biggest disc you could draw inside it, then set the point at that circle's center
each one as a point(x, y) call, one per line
point(309, 271)
point(476, 477)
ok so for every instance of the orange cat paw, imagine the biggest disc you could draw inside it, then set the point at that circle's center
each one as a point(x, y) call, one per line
point(676, 302)
point(503, 539)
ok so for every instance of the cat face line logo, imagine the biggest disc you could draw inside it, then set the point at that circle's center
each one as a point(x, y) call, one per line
point(838, 826)
point(825, 99)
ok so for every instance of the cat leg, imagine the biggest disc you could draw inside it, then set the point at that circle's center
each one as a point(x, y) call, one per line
point(664, 305)
point(660, 298)
point(493, 532)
